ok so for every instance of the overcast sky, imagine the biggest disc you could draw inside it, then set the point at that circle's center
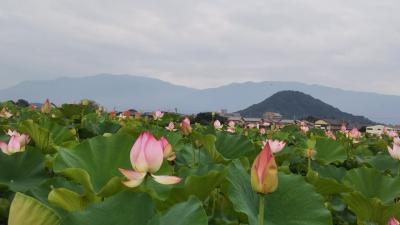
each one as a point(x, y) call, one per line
point(349, 44)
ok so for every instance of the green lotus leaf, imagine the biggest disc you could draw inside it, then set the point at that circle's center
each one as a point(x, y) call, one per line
point(199, 182)
point(326, 186)
point(294, 203)
point(99, 157)
point(23, 170)
point(233, 146)
point(67, 199)
point(121, 209)
point(372, 184)
point(384, 162)
point(189, 212)
point(47, 135)
point(370, 210)
point(329, 151)
point(26, 210)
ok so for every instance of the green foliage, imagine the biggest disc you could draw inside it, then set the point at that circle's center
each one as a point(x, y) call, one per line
point(26, 210)
point(69, 175)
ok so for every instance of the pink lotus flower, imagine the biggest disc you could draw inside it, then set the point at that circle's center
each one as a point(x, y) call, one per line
point(185, 126)
point(16, 143)
point(396, 140)
point(395, 151)
point(4, 113)
point(330, 134)
point(393, 134)
point(304, 128)
point(231, 127)
point(393, 221)
point(218, 125)
point(354, 134)
point(275, 145)
point(157, 115)
point(146, 157)
point(171, 126)
point(262, 131)
point(167, 149)
point(264, 172)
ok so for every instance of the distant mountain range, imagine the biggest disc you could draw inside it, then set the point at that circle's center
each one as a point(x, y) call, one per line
point(147, 94)
point(295, 104)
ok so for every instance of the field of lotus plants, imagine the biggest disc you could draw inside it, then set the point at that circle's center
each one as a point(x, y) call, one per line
point(77, 164)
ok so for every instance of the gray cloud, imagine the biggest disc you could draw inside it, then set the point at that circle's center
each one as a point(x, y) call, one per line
point(348, 44)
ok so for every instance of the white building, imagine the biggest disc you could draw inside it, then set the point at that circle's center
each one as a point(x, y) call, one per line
point(377, 129)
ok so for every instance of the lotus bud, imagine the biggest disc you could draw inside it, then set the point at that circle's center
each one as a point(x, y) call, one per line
point(262, 131)
point(185, 126)
point(167, 149)
point(310, 152)
point(46, 107)
point(264, 172)
point(85, 102)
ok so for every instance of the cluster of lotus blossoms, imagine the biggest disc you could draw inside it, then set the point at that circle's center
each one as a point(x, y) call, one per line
point(147, 155)
point(16, 143)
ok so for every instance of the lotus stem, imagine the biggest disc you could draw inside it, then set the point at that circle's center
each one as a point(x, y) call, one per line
point(261, 209)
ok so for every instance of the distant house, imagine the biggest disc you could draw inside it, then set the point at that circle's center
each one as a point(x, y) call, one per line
point(254, 121)
point(328, 124)
point(377, 129)
point(236, 119)
point(272, 117)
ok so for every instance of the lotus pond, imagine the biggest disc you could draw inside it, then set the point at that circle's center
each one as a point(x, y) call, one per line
point(76, 164)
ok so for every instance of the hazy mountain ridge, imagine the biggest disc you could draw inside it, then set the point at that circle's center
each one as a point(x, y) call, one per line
point(143, 93)
point(296, 105)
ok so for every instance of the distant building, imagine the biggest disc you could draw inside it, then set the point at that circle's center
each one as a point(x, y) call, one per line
point(328, 124)
point(377, 129)
point(272, 117)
